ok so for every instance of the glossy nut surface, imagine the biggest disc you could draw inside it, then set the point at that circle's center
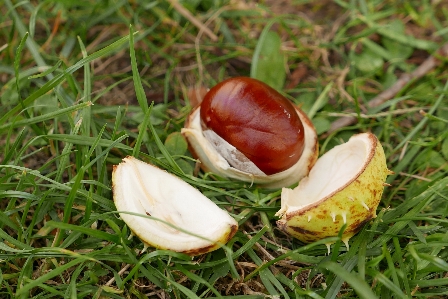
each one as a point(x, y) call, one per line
point(257, 120)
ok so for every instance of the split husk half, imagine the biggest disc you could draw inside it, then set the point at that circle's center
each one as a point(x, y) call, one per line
point(344, 187)
point(181, 218)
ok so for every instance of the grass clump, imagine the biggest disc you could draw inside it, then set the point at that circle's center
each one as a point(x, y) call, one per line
point(84, 84)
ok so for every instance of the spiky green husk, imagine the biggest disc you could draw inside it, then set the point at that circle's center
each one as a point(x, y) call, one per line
point(354, 204)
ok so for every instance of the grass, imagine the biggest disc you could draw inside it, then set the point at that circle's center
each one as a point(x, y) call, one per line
point(85, 84)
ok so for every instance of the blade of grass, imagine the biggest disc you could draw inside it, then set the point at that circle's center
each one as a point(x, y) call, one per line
point(5, 236)
point(54, 82)
point(247, 245)
point(291, 254)
point(434, 260)
point(388, 284)
point(41, 279)
point(64, 161)
point(85, 140)
point(434, 282)
point(398, 211)
point(334, 289)
point(172, 163)
point(139, 91)
point(401, 266)
point(142, 132)
point(423, 122)
point(258, 48)
point(143, 102)
point(390, 263)
point(198, 279)
point(146, 259)
point(71, 291)
point(45, 117)
point(31, 44)
point(104, 202)
point(17, 58)
point(85, 230)
point(359, 285)
point(399, 225)
point(321, 101)
point(10, 151)
point(86, 113)
point(268, 279)
point(77, 183)
point(5, 220)
point(401, 38)
point(25, 272)
point(49, 70)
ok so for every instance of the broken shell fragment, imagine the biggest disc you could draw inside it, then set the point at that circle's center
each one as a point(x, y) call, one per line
point(189, 222)
point(344, 187)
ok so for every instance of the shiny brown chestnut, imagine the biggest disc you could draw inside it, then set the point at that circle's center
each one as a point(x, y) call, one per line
point(246, 130)
point(257, 120)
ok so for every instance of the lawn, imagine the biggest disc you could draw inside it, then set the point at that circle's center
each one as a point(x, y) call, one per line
point(84, 84)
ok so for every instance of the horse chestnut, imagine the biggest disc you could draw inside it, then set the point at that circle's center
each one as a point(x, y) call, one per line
point(246, 130)
point(257, 120)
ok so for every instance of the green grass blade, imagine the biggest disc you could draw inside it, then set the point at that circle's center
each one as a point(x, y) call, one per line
point(9, 152)
point(31, 44)
point(41, 279)
point(198, 279)
point(164, 151)
point(256, 56)
point(291, 254)
point(17, 63)
point(359, 285)
point(45, 117)
point(389, 284)
point(48, 86)
point(139, 91)
point(422, 123)
point(45, 72)
point(142, 132)
point(5, 236)
point(85, 230)
point(85, 140)
point(437, 261)
point(321, 101)
point(86, 113)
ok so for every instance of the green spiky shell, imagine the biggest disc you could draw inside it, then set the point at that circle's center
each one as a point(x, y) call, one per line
point(354, 204)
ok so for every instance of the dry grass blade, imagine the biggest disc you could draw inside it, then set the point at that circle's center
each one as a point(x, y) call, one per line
point(190, 17)
point(428, 65)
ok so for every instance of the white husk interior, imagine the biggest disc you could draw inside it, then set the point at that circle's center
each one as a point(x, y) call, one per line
point(231, 154)
point(145, 189)
point(332, 171)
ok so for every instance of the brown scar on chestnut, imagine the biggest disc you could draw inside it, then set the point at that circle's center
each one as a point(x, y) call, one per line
point(358, 225)
point(302, 230)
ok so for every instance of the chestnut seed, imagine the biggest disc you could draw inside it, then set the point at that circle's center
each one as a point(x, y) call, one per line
point(257, 120)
